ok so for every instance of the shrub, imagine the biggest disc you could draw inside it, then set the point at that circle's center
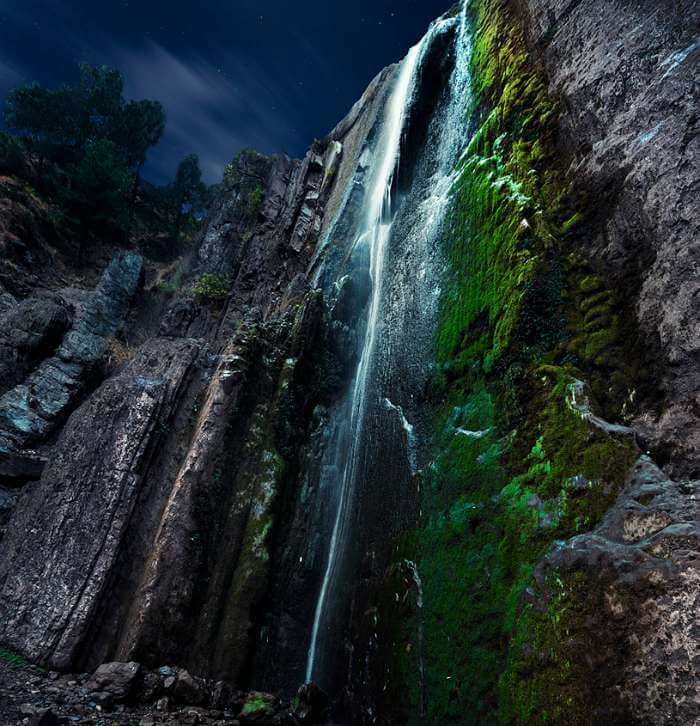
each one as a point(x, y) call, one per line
point(172, 284)
point(254, 202)
point(211, 286)
point(320, 146)
point(13, 659)
point(13, 156)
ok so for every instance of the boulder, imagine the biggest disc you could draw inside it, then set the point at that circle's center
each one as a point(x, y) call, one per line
point(188, 690)
point(33, 409)
point(312, 704)
point(29, 332)
point(117, 679)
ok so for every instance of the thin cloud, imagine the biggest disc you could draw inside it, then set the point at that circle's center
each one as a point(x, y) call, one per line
point(210, 111)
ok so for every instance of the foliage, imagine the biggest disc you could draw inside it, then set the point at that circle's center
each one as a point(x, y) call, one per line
point(254, 201)
point(99, 183)
point(257, 707)
point(13, 659)
point(13, 155)
point(233, 172)
point(139, 127)
point(320, 146)
point(60, 124)
point(187, 193)
point(172, 284)
point(210, 286)
point(83, 146)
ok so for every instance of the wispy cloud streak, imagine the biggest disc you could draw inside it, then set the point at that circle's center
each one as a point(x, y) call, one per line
point(211, 113)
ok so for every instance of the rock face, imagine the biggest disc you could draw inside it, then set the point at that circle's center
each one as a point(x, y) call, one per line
point(60, 555)
point(31, 331)
point(641, 566)
point(30, 411)
point(628, 79)
point(154, 519)
point(168, 476)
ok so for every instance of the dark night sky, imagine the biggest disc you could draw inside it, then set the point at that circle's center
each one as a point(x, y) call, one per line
point(231, 73)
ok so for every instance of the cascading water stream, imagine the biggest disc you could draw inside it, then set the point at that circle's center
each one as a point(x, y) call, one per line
point(373, 235)
point(372, 240)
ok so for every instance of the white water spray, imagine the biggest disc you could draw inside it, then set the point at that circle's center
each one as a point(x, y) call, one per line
point(374, 233)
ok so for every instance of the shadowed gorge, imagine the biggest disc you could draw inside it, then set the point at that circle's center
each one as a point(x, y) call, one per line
point(402, 432)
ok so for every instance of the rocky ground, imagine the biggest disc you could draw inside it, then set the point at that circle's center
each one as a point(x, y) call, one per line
point(125, 693)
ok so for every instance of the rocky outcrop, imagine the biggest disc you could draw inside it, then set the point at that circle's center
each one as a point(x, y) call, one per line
point(32, 410)
point(61, 552)
point(627, 78)
point(178, 504)
point(634, 583)
point(31, 331)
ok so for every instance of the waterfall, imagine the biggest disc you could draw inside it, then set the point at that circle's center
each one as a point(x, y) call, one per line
point(372, 240)
point(373, 236)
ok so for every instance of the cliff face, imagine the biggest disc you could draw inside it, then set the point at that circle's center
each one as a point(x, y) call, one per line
point(627, 79)
point(420, 423)
point(626, 76)
point(152, 524)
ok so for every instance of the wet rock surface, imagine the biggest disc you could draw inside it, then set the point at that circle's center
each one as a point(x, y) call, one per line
point(626, 76)
point(170, 508)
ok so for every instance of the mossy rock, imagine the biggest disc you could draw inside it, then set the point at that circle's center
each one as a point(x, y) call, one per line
point(258, 706)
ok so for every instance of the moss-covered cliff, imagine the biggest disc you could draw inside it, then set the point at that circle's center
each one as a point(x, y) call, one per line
point(518, 460)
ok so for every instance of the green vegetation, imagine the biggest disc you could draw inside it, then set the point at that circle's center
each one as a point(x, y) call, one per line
point(172, 284)
point(254, 201)
point(514, 466)
point(210, 286)
point(187, 193)
point(245, 176)
point(13, 659)
point(83, 147)
point(320, 146)
point(257, 708)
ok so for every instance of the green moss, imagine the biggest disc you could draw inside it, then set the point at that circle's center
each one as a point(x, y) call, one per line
point(13, 659)
point(597, 314)
point(591, 283)
point(257, 707)
point(603, 299)
point(514, 466)
point(510, 203)
point(542, 683)
point(172, 284)
point(492, 508)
